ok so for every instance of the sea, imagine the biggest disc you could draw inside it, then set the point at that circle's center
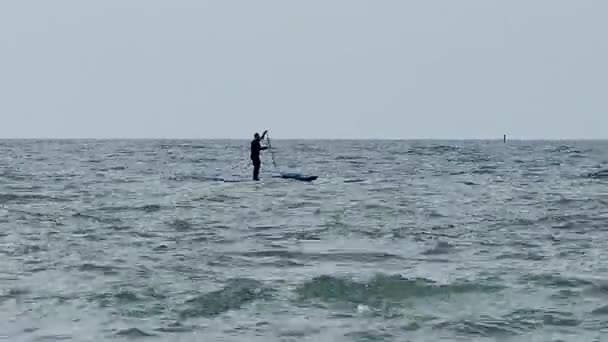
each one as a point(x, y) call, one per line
point(171, 240)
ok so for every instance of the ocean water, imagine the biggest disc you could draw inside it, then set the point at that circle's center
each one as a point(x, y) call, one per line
point(396, 241)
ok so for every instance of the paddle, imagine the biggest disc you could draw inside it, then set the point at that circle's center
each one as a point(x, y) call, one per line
point(295, 176)
point(270, 149)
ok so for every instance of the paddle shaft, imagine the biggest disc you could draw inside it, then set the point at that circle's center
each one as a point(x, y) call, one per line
point(270, 149)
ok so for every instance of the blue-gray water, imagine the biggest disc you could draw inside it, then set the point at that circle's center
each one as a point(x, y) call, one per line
point(396, 241)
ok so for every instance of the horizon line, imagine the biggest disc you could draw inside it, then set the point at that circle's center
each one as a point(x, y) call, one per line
point(296, 139)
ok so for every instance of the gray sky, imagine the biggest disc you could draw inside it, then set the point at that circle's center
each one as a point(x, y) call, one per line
point(304, 69)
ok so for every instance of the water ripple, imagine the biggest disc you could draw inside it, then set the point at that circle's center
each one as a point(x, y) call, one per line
point(396, 240)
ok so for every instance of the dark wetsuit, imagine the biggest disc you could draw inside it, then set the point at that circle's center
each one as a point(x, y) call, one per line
point(256, 147)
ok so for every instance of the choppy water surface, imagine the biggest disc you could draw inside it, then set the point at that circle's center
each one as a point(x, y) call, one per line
point(396, 241)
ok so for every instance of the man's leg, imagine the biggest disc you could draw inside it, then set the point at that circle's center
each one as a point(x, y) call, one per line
point(256, 169)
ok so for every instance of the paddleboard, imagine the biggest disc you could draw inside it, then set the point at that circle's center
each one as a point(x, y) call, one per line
point(294, 176)
point(297, 176)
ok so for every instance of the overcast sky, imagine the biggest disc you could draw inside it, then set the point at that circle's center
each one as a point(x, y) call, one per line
point(304, 69)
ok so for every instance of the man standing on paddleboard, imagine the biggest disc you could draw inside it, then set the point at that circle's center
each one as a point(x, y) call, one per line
point(256, 147)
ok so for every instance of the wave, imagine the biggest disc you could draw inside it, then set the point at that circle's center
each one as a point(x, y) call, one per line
point(15, 176)
point(149, 208)
point(134, 333)
point(601, 174)
point(515, 323)
point(554, 280)
point(433, 150)
point(131, 300)
point(234, 295)
point(13, 294)
point(485, 170)
point(352, 157)
point(181, 225)
point(28, 198)
point(441, 248)
point(531, 256)
point(95, 268)
point(96, 218)
point(383, 289)
point(603, 310)
point(342, 257)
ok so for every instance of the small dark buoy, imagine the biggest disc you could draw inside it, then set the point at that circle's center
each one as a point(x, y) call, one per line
point(505, 138)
